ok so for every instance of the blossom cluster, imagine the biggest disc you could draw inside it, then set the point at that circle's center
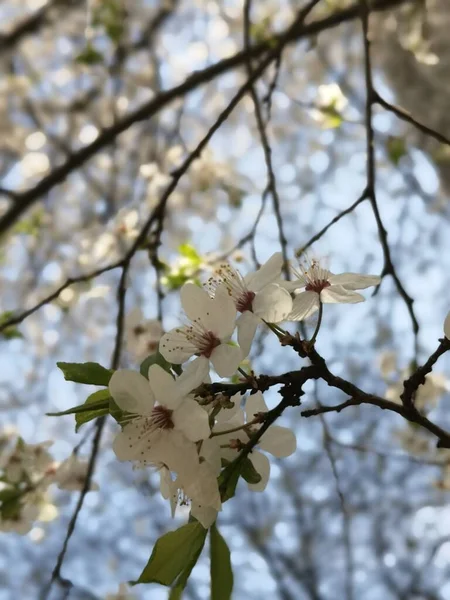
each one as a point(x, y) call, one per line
point(169, 425)
point(26, 472)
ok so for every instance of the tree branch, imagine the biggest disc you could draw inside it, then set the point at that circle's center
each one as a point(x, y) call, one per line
point(26, 199)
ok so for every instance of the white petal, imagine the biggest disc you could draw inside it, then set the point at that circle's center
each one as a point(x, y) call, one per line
point(247, 324)
point(196, 303)
point(267, 273)
point(278, 441)
point(175, 347)
point(354, 281)
point(255, 404)
point(164, 387)
point(304, 305)
point(228, 413)
point(131, 392)
point(210, 451)
point(226, 359)
point(262, 466)
point(223, 314)
point(273, 303)
point(194, 374)
point(206, 515)
point(447, 326)
point(171, 448)
point(192, 420)
point(336, 294)
point(168, 489)
point(292, 286)
point(202, 487)
point(131, 442)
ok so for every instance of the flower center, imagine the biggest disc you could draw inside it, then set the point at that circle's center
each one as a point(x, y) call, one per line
point(162, 418)
point(207, 343)
point(244, 302)
point(317, 286)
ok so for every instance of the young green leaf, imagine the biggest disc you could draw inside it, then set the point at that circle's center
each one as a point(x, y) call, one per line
point(94, 412)
point(248, 471)
point(154, 359)
point(89, 372)
point(221, 570)
point(172, 554)
point(177, 591)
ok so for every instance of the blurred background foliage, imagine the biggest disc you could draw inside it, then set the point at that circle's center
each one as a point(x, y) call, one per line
point(90, 135)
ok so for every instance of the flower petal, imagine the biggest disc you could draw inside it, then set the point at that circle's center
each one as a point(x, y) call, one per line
point(303, 306)
point(354, 281)
point(196, 303)
point(202, 487)
point(247, 324)
point(262, 466)
point(164, 387)
point(206, 515)
point(278, 441)
point(131, 392)
point(336, 294)
point(194, 374)
point(223, 314)
point(192, 420)
point(267, 273)
point(171, 448)
point(447, 326)
point(210, 451)
point(255, 404)
point(228, 413)
point(225, 359)
point(273, 303)
point(131, 441)
point(175, 346)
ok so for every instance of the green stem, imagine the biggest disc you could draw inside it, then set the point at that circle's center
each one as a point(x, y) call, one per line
point(319, 322)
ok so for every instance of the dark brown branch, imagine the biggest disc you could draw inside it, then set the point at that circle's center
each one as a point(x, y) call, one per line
point(417, 379)
point(26, 199)
point(32, 23)
point(18, 318)
point(404, 115)
point(388, 268)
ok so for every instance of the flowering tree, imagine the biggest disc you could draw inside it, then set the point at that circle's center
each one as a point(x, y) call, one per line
point(153, 155)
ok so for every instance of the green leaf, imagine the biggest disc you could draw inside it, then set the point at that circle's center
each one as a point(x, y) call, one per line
point(172, 554)
point(190, 252)
point(10, 332)
point(89, 56)
point(92, 412)
point(154, 359)
point(248, 471)
point(89, 372)
point(396, 148)
point(221, 570)
point(177, 591)
point(228, 480)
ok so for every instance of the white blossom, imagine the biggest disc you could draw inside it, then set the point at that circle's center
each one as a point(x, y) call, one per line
point(213, 321)
point(258, 296)
point(319, 285)
point(122, 594)
point(163, 425)
point(278, 441)
point(71, 474)
point(142, 335)
point(447, 326)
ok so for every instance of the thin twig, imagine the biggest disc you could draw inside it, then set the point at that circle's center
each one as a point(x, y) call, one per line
point(404, 115)
point(388, 268)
